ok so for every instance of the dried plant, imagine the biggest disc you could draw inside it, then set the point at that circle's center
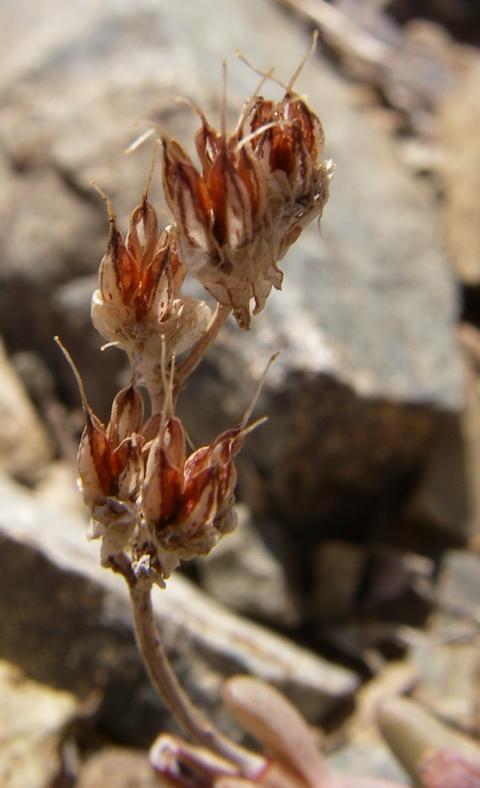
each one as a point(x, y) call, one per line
point(152, 503)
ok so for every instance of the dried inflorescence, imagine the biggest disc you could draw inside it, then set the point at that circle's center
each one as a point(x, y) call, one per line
point(139, 305)
point(146, 494)
point(257, 189)
point(152, 502)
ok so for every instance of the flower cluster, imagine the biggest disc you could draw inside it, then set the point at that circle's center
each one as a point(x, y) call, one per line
point(258, 188)
point(151, 502)
point(146, 495)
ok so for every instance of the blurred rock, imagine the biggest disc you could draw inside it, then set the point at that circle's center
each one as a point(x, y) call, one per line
point(358, 748)
point(32, 720)
point(459, 585)
point(244, 575)
point(67, 621)
point(398, 586)
point(365, 644)
point(447, 661)
point(339, 569)
point(370, 758)
point(25, 447)
point(118, 767)
point(58, 488)
point(440, 511)
point(458, 130)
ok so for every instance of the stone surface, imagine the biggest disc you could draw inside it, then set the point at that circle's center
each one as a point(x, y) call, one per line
point(368, 361)
point(339, 568)
point(459, 584)
point(243, 574)
point(67, 622)
point(444, 500)
point(359, 749)
point(460, 171)
point(118, 767)
point(447, 660)
point(32, 719)
point(24, 444)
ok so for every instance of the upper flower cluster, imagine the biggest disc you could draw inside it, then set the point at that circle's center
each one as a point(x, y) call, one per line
point(258, 187)
point(233, 220)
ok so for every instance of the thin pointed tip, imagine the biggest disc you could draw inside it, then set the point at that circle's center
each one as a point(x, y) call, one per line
point(107, 200)
point(76, 373)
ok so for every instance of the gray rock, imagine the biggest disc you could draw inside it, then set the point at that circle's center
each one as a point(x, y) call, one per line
point(338, 568)
point(447, 660)
point(460, 168)
point(444, 500)
point(24, 443)
point(66, 622)
point(119, 767)
point(459, 585)
point(367, 759)
point(243, 574)
point(32, 720)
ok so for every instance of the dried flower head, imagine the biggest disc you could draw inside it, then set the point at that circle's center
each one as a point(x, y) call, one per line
point(138, 302)
point(110, 469)
point(188, 500)
point(258, 187)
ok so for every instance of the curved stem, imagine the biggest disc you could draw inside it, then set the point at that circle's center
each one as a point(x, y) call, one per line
point(200, 348)
point(198, 727)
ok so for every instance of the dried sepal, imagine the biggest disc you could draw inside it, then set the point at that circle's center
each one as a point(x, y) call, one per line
point(164, 479)
point(111, 470)
point(126, 415)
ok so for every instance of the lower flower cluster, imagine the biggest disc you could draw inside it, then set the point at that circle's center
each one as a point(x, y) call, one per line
point(147, 496)
point(233, 219)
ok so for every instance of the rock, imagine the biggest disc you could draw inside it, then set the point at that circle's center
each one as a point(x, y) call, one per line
point(382, 582)
point(24, 443)
point(443, 503)
point(339, 568)
point(447, 660)
point(358, 748)
point(243, 574)
point(32, 719)
point(398, 586)
point(446, 656)
point(66, 620)
point(118, 767)
point(367, 759)
point(459, 584)
point(58, 488)
point(460, 171)
point(353, 402)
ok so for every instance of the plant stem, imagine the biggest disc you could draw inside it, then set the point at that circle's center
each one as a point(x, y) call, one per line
point(198, 727)
point(200, 348)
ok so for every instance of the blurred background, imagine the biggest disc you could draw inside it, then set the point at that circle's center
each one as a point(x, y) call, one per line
point(355, 562)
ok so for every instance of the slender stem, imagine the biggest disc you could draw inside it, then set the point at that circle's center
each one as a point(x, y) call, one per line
point(157, 399)
point(198, 727)
point(200, 348)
